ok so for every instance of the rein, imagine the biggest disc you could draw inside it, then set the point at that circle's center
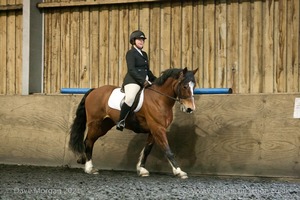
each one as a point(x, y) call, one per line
point(178, 92)
point(175, 99)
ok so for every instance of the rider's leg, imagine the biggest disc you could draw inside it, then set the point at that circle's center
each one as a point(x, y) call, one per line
point(130, 92)
point(125, 109)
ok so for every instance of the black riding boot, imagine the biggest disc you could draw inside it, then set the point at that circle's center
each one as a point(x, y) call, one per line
point(125, 109)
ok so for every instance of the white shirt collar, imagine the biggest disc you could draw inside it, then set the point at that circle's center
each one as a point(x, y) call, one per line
point(138, 50)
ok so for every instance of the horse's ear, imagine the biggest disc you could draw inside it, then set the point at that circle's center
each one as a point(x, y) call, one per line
point(194, 71)
point(182, 72)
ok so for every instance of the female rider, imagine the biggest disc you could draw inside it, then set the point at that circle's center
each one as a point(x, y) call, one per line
point(138, 74)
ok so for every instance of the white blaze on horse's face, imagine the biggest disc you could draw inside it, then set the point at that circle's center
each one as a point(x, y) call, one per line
point(188, 105)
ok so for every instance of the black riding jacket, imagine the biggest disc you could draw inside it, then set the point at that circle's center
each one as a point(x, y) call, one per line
point(137, 68)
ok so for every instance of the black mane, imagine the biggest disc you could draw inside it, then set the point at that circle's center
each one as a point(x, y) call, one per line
point(174, 73)
point(166, 74)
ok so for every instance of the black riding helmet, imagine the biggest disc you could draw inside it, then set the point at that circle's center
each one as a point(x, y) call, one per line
point(136, 35)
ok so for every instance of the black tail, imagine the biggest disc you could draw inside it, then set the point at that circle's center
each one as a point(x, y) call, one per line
point(78, 127)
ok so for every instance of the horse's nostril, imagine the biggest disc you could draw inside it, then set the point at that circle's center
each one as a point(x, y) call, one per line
point(189, 110)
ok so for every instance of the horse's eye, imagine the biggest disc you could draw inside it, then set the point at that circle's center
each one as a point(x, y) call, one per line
point(186, 86)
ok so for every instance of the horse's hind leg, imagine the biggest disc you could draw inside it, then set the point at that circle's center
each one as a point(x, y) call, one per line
point(96, 129)
point(140, 167)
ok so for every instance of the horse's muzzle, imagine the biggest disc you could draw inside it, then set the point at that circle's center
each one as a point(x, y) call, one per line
point(187, 105)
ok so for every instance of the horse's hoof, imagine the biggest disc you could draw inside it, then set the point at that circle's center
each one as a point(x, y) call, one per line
point(178, 172)
point(143, 172)
point(92, 171)
point(184, 177)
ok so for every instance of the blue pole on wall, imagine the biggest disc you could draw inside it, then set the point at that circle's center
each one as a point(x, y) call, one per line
point(196, 91)
point(74, 90)
point(213, 91)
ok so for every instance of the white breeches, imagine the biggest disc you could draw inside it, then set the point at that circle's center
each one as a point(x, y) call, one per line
point(131, 90)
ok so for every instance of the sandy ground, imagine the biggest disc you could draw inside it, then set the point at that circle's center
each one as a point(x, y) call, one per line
point(30, 182)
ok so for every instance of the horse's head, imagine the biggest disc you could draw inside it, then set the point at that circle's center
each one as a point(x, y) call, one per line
point(185, 90)
point(182, 90)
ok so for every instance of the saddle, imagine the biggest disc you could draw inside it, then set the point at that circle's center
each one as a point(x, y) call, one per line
point(117, 97)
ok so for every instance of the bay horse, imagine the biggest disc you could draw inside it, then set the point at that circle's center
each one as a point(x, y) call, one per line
point(153, 118)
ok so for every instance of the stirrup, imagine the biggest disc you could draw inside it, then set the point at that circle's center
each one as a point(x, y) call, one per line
point(121, 125)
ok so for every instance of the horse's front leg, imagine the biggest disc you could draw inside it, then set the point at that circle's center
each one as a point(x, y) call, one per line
point(140, 167)
point(176, 169)
point(160, 138)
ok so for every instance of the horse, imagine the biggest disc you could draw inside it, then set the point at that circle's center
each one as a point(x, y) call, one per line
point(153, 118)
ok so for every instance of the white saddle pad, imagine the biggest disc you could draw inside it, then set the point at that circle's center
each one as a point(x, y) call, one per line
point(117, 96)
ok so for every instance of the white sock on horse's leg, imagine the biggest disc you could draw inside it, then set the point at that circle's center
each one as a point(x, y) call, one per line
point(141, 171)
point(178, 172)
point(89, 168)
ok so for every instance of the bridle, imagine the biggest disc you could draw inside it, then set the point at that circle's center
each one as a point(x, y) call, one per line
point(178, 98)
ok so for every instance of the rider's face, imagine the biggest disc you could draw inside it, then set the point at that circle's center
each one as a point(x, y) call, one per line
point(139, 43)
